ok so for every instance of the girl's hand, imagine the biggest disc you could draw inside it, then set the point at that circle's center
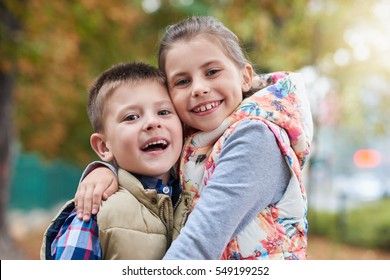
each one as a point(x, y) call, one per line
point(97, 185)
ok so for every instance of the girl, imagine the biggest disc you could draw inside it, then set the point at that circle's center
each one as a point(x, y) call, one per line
point(242, 156)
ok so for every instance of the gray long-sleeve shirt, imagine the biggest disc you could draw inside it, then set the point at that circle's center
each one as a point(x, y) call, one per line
point(250, 174)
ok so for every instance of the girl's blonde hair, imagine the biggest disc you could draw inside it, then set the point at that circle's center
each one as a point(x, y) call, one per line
point(204, 25)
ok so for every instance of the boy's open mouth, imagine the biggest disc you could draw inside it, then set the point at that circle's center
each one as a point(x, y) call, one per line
point(155, 146)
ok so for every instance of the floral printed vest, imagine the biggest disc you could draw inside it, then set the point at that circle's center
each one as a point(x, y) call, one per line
point(278, 231)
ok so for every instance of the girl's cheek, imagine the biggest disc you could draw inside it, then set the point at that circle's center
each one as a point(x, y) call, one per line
point(176, 102)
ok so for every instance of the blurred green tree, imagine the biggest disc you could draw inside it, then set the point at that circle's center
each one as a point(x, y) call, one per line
point(63, 45)
point(67, 43)
point(9, 29)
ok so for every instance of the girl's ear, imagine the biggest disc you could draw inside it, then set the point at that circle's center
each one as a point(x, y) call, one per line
point(247, 76)
point(98, 144)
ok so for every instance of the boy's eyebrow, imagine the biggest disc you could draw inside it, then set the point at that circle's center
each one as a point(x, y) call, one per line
point(158, 103)
point(164, 102)
point(139, 106)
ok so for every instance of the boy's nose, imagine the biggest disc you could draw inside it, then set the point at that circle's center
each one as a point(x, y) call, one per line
point(152, 122)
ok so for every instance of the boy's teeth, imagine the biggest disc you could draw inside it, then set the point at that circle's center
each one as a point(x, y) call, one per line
point(163, 142)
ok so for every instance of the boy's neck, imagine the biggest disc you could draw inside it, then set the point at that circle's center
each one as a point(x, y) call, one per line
point(164, 178)
point(155, 183)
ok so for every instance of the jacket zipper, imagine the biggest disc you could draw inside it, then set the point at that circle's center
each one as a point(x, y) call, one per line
point(169, 232)
point(177, 203)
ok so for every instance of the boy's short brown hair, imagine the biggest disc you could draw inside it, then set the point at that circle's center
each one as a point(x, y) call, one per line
point(106, 82)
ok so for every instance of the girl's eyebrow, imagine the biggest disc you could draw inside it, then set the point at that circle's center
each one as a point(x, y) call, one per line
point(178, 74)
point(208, 63)
point(204, 65)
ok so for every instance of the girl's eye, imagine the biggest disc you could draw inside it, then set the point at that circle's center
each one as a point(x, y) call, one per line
point(131, 117)
point(164, 112)
point(182, 82)
point(212, 72)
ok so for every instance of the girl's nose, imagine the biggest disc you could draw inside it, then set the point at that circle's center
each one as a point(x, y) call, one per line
point(199, 88)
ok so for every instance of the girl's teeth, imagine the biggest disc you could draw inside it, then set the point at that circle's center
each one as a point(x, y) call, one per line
point(206, 107)
point(202, 108)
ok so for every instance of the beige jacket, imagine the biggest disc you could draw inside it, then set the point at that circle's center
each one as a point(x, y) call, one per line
point(135, 223)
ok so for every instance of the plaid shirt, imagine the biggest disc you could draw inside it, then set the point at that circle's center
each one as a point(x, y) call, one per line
point(78, 240)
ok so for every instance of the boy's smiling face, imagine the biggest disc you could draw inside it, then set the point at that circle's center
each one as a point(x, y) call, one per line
point(142, 131)
point(205, 85)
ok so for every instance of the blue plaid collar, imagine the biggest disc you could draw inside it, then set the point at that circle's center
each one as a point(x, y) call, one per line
point(155, 183)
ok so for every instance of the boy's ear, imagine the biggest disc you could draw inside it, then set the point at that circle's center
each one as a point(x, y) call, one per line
point(98, 144)
point(247, 76)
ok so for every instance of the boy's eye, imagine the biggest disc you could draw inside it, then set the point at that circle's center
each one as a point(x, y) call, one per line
point(132, 117)
point(212, 72)
point(164, 112)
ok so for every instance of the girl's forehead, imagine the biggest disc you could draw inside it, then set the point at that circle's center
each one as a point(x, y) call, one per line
point(201, 43)
point(193, 53)
point(205, 38)
point(192, 39)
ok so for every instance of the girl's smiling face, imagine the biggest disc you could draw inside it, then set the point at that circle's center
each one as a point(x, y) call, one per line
point(204, 84)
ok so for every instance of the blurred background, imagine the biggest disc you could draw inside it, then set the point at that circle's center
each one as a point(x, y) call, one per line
point(50, 52)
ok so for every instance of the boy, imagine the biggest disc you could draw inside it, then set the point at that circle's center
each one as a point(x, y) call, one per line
point(136, 128)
